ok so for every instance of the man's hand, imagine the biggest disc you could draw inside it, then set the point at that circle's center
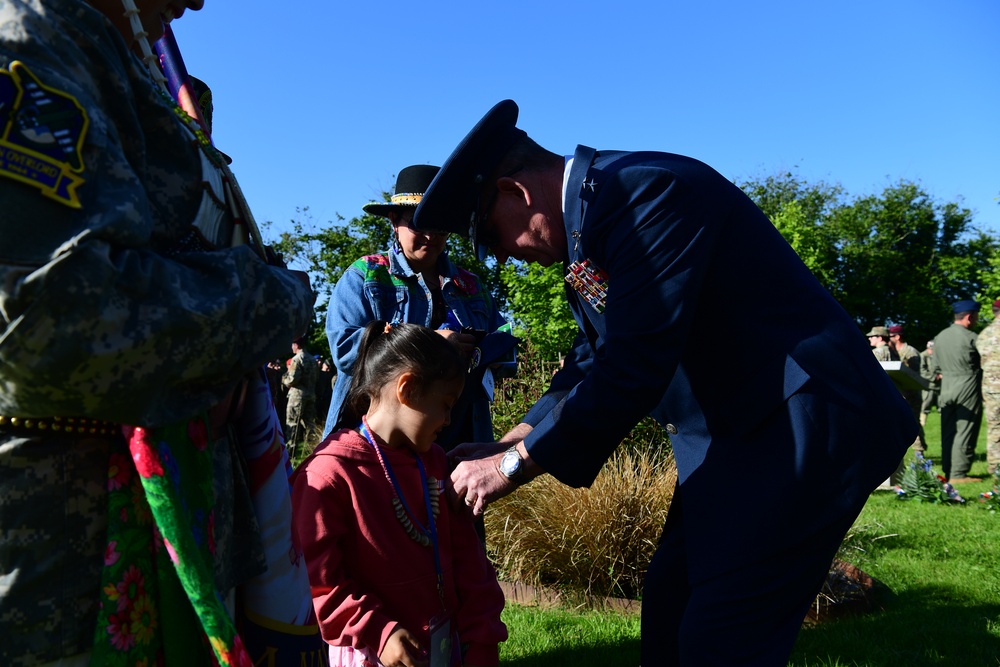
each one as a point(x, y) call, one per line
point(478, 482)
point(402, 649)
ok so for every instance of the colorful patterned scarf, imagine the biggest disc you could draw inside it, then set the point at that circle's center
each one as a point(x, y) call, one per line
point(158, 582)
point(158, 577)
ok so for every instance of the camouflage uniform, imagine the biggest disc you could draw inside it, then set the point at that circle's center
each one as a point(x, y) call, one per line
point(928, 371)
point(884, 353)
point(112, 307)
point(910, 356)
point(960, 400)
point(300, 413)
point(988, 344)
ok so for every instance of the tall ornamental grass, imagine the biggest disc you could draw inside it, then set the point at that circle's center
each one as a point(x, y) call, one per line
point(587, 544)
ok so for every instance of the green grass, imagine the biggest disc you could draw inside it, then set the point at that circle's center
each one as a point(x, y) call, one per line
point(940, 562)
point(555, 637)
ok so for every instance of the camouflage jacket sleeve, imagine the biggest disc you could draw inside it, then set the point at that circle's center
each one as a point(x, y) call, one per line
point(112, 306)
point(301, 374)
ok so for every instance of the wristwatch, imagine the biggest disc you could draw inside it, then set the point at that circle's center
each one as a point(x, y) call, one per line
point(512, 465)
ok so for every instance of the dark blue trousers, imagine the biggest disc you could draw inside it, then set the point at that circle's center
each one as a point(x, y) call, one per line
point(740, 600)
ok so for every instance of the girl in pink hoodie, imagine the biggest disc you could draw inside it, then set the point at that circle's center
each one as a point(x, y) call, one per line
point(398, 576)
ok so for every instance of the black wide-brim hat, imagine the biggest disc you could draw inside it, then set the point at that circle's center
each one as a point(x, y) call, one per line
point(452, 200)
point(411, 184)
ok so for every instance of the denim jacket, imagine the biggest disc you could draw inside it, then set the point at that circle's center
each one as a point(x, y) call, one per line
point(384, 287)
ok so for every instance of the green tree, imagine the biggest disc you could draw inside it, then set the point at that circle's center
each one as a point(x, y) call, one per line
point(895, 257)
point(799, 211)
point(537, 300)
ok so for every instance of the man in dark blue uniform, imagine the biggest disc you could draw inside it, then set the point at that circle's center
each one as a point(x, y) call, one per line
point(661, 249)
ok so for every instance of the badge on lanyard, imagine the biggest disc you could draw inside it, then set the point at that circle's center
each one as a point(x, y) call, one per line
point(41, 135)
point(589, 281)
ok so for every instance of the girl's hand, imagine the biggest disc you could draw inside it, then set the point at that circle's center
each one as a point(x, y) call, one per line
point(402, 650)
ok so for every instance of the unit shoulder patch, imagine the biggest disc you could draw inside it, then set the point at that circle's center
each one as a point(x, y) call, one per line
point(41, 135)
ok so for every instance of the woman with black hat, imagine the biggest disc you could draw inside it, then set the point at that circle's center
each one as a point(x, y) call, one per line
point(413, 282)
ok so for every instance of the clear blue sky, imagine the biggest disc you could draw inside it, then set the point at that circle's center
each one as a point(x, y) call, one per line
point(321, 102)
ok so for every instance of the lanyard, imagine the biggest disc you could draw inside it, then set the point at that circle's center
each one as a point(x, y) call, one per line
point(431, 530)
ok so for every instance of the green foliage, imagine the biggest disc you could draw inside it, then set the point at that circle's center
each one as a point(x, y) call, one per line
point(799, 212)
point(514, 396)
point(537, 301)
point(895, 257)
point(989, 276)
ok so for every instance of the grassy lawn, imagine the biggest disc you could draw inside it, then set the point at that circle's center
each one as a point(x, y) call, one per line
point(940, 562)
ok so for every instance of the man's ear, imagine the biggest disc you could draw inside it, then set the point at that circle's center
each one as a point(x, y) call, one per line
point(406, 388)
point(510, 185)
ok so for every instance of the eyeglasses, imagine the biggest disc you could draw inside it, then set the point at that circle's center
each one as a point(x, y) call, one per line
point(483, 235)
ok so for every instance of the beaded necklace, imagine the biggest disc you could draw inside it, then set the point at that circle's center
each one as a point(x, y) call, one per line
point(415, 531)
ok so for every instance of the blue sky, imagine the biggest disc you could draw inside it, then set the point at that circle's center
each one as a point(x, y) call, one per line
point(320, 103)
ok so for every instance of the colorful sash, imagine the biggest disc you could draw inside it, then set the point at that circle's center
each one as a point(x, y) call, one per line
point(158, 585)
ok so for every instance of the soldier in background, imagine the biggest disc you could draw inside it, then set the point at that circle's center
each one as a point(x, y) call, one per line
point(961, 399)
point(988, 344)
point(300, 380)
point(910, 357)
point(928, 371)
point(878, 338)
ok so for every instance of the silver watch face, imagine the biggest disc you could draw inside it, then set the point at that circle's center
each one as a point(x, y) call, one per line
point(510, 464)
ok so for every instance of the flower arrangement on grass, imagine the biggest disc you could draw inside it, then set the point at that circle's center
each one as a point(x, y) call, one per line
point(991, 499)
point(920, 482)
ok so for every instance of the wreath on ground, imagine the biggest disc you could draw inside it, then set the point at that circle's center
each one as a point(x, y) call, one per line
point(921, 482)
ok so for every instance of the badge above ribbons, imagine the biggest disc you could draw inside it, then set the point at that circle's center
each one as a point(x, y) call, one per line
point(41, 135)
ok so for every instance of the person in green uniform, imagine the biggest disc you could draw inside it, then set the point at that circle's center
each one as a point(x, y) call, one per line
point(960, 401)
point(928, 371)
point(910, 356)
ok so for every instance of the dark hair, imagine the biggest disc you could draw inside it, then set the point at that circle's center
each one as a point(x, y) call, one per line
point(389, 350)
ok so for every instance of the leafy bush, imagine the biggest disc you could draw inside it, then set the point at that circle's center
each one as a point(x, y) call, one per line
point(515, 396)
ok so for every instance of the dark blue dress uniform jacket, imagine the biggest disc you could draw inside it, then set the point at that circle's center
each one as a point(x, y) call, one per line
point(712, 325)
